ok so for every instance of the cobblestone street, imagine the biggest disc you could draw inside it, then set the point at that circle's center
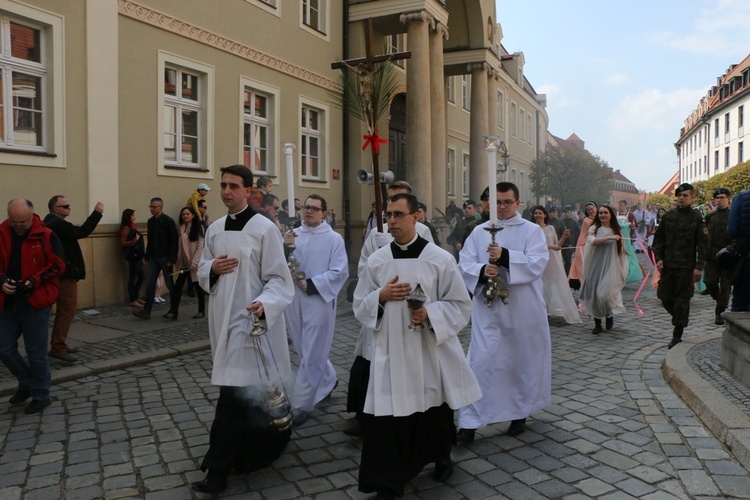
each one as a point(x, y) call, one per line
point(615, 430)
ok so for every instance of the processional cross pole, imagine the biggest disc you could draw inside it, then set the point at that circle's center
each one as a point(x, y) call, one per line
point(370, 102)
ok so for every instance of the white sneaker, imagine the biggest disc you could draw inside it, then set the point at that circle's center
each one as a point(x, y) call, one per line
point(159, 300)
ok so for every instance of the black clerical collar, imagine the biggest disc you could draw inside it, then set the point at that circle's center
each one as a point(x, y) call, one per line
point(235, 222)
point(411, 250)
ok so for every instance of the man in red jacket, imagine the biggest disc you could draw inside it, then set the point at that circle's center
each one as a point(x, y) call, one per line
point(31, 261)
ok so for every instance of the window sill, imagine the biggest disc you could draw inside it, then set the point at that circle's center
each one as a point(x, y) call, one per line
point(316, 181)
point(186, 168)
point(28, 152)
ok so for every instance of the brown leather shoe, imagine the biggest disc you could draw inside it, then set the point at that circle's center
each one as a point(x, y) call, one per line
point(63, 356)
point(142, 314)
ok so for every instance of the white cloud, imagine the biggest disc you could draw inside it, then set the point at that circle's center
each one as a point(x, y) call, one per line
point(555, 97)
point(717, 29)
point(653, 110)
point(616, 79)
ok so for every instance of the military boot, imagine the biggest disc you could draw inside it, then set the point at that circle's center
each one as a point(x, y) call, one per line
point(719, 320)
point(676, 336)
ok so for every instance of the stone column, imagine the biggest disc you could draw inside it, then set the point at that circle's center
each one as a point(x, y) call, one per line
point(478, 129)
point(438, 119)
point(418, 115)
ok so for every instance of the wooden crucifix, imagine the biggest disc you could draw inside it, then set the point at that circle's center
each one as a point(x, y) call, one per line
point(372, 95)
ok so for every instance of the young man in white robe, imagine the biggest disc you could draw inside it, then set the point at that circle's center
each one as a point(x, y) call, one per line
point(510, 350)
point(360, 370)
point(312, 315)
point(417, 376)
point(245, 273)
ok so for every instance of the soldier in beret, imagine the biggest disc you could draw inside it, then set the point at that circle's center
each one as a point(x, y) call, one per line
point(719, 242)
point(680, 246)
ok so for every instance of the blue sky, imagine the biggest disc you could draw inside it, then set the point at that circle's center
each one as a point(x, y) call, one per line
point(624, 75)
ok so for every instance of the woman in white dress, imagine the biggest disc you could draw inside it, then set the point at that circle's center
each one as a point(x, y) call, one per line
point(555, 288)
point(605, 268)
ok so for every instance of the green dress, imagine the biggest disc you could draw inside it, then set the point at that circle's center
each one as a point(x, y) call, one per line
point(635, 273)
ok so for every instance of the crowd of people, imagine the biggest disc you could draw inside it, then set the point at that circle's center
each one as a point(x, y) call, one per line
point(409, 374)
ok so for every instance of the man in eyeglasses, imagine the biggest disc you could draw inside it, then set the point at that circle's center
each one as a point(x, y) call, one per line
point(360, 370)
point(510, 350)
point(418, 374)
point(75, 269)
point(312, 316)
point(31, 261)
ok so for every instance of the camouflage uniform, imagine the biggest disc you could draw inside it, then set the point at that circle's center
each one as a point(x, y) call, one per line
point(681, 235)
point(470, 227)
point(715, 277)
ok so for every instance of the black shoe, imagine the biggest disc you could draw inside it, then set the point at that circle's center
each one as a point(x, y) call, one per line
point(719, 320)
point(62, 355)
point(199, 315)
point(465, 436)
point(610, 323)
point(443, 470)
point(597, 329)
point(142, 314)
point(213, 483)
point(328, 396)
point(674, 342)
point(300, 417)
point(355, 430)
point(705, 292)
point(170, 315)
point(37, 406)
point(19, 397)
point(517, 427)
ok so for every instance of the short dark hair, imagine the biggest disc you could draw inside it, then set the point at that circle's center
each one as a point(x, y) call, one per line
point(323, 203)
point(544, 211)
point(263, 181)
point(201, 203)
point(158, 200)
point(285, 205)
point(268, 200)
point(240, 171)
point(53, 201)
point(411, 201)
point(400, 185)
point(504, 187)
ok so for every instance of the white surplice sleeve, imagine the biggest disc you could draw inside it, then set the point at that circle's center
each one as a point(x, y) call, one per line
point(329, 283)
point(366, 304)
point(278, 287)
point(451, 313)
point(471, 261)
point(207, 259)
point(527, 264)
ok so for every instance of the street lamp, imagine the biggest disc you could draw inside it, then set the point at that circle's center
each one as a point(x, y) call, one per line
point(492, 143)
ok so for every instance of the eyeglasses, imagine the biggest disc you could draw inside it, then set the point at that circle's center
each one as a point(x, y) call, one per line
point(506, 203)
point(310, 208)
point(396, 215)
point(66, 207)
point(276, 207)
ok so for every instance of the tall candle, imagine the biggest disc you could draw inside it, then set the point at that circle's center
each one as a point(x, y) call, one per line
point(289, 152)
point(492, 178)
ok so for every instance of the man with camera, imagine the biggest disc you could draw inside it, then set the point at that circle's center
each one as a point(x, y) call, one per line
point(31, 261)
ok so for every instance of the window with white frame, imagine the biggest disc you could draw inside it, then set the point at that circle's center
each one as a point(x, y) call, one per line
point(466, 92)
point(396, 43)
point(465, 164)
point(513, 119)
point(500, 110)
point(716, 160)
point(258, 115)
point(716, 128)
point(311, 151)
point(313, 14)
point(450, 90)
point(23, 74)
point(741, 117)
point(450, 181)
point(183, 109)
point(726, 158)
point(740, 152)
point(522, 124)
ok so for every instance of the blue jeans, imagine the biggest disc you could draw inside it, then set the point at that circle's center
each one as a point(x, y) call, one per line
point(17, 319)
point(741, 292)
point(155, 266)
point(135, 279)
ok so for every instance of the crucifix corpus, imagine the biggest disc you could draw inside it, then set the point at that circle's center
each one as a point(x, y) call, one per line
point(368, 85)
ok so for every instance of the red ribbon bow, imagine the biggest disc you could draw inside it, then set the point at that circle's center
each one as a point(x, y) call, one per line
point(375, 140)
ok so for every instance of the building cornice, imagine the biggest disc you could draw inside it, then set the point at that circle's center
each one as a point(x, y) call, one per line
point(166, 22)
point(382, 8)
point(458, 135)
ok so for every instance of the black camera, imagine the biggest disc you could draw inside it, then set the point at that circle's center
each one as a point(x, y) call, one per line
point(23, 289)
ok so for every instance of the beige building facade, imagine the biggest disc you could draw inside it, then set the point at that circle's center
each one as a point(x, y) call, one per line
point(119, 101)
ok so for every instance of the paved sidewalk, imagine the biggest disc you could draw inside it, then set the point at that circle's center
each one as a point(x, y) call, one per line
point(615, 430)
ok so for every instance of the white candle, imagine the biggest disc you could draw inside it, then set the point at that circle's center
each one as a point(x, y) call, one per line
point(289, 152)
point(492, 178)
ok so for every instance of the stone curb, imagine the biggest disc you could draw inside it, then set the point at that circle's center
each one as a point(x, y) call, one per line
point(92, 368)
point(730, 425)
